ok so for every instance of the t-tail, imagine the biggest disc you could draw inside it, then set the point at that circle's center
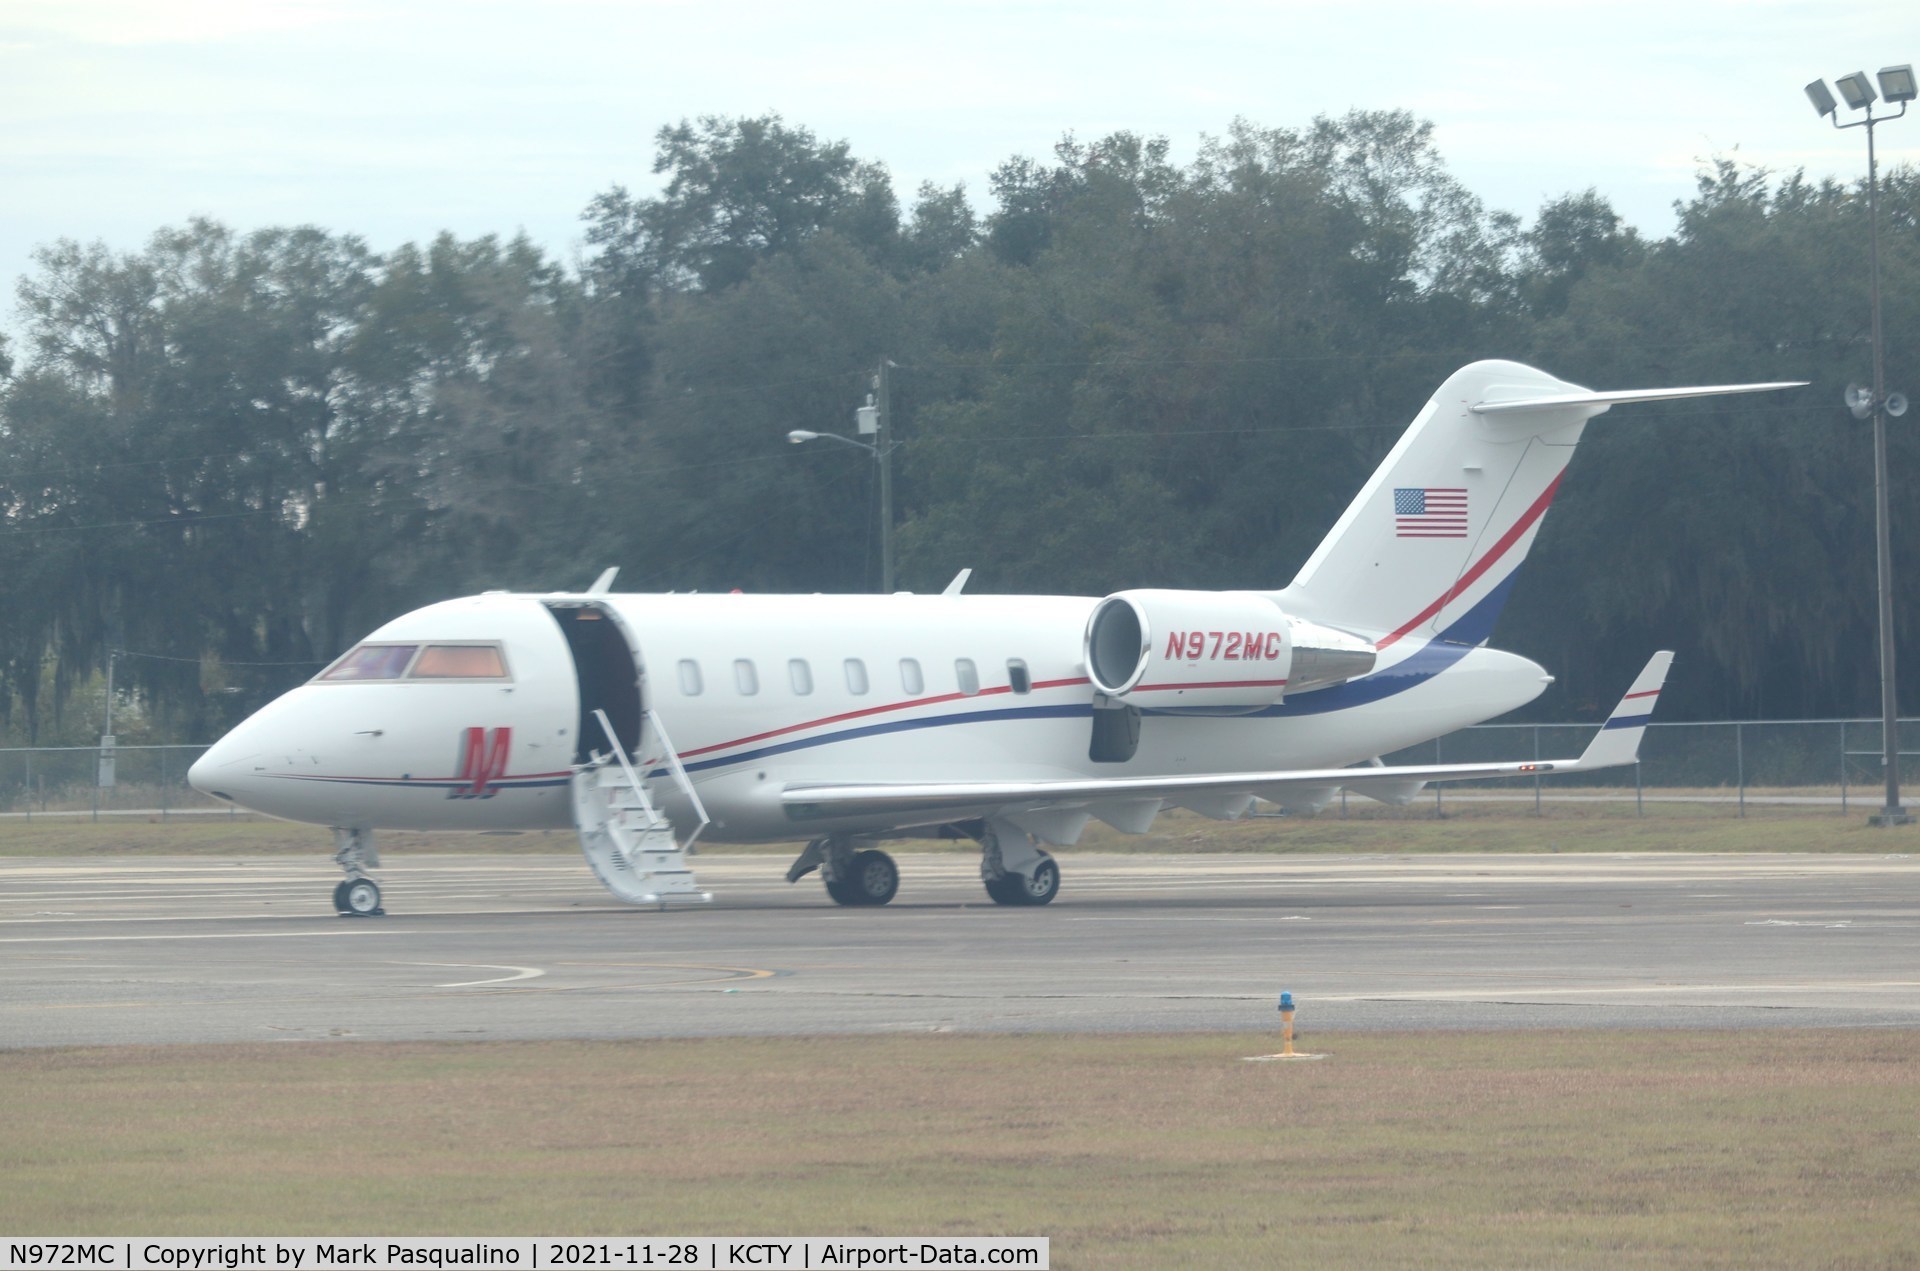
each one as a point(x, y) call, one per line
point(1430, 546)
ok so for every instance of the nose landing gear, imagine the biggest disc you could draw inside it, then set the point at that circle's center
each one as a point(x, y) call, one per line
point(357, 896)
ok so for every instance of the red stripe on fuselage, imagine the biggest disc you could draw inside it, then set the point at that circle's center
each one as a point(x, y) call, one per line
point(874, 710)
point(1485, 563)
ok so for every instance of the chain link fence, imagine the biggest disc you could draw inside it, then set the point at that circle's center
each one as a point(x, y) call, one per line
point(96, 782)
point(1737, 765)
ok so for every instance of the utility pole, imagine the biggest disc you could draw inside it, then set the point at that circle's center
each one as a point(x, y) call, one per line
point(883, 447)
point(875, 420)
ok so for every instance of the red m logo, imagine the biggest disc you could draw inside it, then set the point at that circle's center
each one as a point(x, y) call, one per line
point(483, 761)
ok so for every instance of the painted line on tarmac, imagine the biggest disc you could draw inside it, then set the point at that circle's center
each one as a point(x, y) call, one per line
point(225, 935)
point(1552, 991)
point(519, 973)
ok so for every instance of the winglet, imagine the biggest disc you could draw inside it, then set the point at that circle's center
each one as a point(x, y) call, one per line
point(604, 583)
point(1618, 741)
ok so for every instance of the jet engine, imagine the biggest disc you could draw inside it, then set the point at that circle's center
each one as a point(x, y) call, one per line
point(1151, 648)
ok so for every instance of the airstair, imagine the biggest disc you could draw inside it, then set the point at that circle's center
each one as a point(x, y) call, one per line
point(627, 839)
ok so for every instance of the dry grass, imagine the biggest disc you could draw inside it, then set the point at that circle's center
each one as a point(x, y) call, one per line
point(1437, 1150)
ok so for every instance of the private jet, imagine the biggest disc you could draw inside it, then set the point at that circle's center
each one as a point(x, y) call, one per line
point(651, 724)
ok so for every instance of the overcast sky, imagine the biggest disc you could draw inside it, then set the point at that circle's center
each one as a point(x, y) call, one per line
point(394, 119)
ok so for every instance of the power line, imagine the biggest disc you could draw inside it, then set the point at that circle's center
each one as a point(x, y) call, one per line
point(167, 657)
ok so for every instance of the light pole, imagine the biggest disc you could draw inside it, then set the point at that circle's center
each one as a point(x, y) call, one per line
point(875, 420)
point(1896, 86)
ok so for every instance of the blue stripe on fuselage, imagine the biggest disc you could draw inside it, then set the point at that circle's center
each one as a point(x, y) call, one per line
point(1468, 632)
point(1458, 640)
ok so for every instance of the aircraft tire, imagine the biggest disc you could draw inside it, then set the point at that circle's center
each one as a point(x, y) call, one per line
point(1043, 886)
point(841, 891)
point(875, 878)
point(340, 896)
point(1010, 890)
point(362, 897)
point(1038, 890)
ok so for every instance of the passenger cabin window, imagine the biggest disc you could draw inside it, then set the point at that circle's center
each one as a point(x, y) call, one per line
point(372, 662)
point(745, 678)
point(910, 677)
point(856, 677)
point(690, 685)
point(801, 675)
point(968, 675)
point(1018, 676)
point(459, 662)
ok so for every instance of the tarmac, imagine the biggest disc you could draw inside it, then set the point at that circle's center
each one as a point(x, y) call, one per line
point(164, 950)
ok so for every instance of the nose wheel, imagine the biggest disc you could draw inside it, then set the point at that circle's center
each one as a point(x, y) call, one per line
point(358, 898)
point(357, 895)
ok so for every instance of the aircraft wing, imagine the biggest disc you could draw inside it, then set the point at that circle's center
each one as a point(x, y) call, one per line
point(930, 802)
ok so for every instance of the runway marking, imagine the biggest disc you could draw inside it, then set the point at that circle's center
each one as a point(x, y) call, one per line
point(519, 973)
point(1549, 991)
point(732, 972)
point(1784, 922)
point(218, 935)
point(728, 975)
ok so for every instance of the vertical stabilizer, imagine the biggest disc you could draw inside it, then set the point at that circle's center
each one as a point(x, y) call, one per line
point(1431, 543)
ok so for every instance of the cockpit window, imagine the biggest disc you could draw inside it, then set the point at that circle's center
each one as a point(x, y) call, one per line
point(460, 662)
point(372, 662)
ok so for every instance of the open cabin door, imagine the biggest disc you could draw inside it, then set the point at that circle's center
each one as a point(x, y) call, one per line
point(609, 673)
point(625, 835)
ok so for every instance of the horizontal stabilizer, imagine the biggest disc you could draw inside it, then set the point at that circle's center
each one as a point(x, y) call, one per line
point(1604, 400)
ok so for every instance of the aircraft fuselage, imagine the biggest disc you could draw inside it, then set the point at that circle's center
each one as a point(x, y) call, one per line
point(760, 692)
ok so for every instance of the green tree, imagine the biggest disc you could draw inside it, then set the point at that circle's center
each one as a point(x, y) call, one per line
point(740, 190)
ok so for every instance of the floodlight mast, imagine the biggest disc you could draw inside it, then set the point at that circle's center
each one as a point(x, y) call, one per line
point(1896, 86)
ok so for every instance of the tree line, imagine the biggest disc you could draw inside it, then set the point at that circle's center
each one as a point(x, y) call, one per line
point(226, 456)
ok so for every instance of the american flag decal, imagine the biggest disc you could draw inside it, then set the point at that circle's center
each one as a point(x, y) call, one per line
point(1429, 512)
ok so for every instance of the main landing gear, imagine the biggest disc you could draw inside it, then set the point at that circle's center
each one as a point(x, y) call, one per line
point(356, 896)
point(865, 877)
point(1013, 868)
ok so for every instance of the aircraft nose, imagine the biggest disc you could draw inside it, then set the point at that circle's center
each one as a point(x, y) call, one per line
point(216, 772)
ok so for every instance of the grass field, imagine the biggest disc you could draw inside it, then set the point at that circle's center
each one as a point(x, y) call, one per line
point(1370, 828)
point(1532, 1149)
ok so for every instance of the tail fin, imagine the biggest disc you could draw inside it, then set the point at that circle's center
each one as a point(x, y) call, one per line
point(1431, 544)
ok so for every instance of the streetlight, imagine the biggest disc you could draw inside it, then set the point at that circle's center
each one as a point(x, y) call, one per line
point(1896, 86)
point(871, 420)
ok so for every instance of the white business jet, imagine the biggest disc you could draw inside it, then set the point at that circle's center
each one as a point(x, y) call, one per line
point(652, 722)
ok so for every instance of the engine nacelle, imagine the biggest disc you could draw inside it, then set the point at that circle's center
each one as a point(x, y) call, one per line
point(1212, 648)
